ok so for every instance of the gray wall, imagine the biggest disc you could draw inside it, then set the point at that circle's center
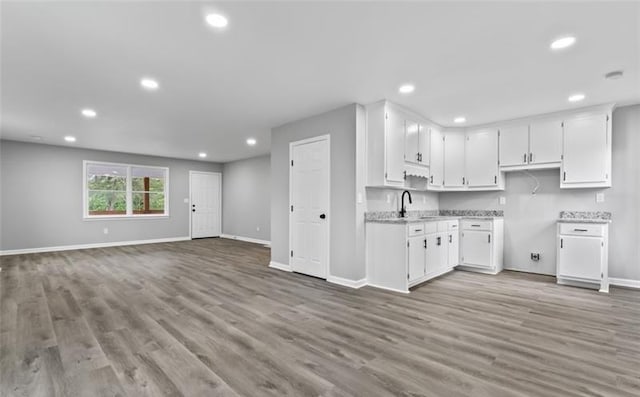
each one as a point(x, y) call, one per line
point(41, 198)
point(381, 199)
point(246, 191)
point(530, 220)
point(341, 125)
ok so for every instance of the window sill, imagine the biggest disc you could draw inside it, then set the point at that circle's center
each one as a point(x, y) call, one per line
point(122, 217)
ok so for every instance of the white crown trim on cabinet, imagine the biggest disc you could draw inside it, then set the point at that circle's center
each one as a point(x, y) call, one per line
point(279, 266)
point(246, 239)
point(93, 245)
point(347, 282)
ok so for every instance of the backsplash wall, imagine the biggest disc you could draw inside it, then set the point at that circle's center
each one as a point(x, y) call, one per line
point(382, 199)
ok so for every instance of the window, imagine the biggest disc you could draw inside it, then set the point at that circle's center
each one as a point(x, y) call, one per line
point(122, 190)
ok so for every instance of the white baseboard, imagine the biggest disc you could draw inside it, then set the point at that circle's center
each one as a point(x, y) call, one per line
point(388, 289)
point(347, 282)
point(624, 282)
point(280, 266)
point(93, 245)
point(247, 239)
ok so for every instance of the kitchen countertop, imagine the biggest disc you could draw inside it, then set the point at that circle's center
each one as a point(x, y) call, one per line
point(583, 220)
point(409, 220)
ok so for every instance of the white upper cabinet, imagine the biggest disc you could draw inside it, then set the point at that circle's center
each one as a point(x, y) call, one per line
point(412, 142)
point(514, 145)
point(385, 142)
point(394, 165)
point(424, 143)
point(481, 159)
point(436, 167)
point(586, 151)
point(454, 159)
point(545, 142)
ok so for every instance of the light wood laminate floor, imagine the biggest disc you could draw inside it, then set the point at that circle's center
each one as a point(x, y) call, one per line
point(208, 318)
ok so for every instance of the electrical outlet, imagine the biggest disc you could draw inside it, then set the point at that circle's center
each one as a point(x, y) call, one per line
point(105, 230)
point(503, 200)
point(424, 199)
point(388, 198)
point(599, 197)
point(257, 228)
point(535, 256)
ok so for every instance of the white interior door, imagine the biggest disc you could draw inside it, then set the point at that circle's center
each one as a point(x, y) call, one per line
point(205, 189)
point(309, 216)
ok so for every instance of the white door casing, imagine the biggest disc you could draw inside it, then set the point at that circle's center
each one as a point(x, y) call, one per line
point(205, 204)
point(309, 216)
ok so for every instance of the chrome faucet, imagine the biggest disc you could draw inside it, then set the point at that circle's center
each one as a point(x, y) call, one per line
point(403, 209)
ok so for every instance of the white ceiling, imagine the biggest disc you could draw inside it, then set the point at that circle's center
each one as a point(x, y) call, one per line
point(281, 61)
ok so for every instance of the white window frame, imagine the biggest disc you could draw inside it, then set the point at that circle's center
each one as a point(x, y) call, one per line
point(129, 193)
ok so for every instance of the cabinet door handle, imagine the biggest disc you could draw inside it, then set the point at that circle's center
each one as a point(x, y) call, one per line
point(405, 175)
point(463, 180)
point(425, 243)
point(580, 230)
point(564, 176)
point(450, 239)
point(489, 238)
point(530, 157)
point(524, 160)
point(417, 156)
point(561, 243)
point(475, 225)
point(417, 230)
point(495, 179)
point(431, 179)
point(439, 240)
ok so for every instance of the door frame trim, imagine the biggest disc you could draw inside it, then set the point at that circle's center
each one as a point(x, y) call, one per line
point(327, 138)
point(191, 172)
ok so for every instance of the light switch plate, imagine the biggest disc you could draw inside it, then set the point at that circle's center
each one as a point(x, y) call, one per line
point(503, 200)
point(599, 197)
point(388, 198)
point(359, 198)
point(186, 201)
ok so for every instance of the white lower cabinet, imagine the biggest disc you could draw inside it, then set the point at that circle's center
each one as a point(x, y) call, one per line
point(416, 257)
point(582, 255)
point(482, 245)
point(400, 256)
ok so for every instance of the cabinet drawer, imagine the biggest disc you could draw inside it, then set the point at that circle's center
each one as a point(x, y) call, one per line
point(471, 224)
point(581, 229)
point(416, 229)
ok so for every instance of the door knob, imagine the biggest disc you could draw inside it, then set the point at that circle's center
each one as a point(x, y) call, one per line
point(322, 216)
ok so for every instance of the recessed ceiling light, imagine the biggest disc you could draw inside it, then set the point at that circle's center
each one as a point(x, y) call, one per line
point(70, 138)
point(576, 97)
point(251, 141)
point(149, 84)
point(89, 113)
point(459, 120)
point(406, 89)
point(202, 155)
point(35, 137)
point(616, 74)
point(217, 20)
point(563, 42)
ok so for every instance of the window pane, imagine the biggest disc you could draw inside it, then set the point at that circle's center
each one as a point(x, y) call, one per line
point(106, 177)
point(148, 179)
point(148, 203)
point(107, 203)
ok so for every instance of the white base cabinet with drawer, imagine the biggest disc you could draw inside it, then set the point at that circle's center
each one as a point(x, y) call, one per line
point(482, 243)
point(400, 256)
point(582, 258)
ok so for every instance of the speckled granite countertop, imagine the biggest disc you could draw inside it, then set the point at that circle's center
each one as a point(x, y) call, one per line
point(393, 217)
point(600, 217)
